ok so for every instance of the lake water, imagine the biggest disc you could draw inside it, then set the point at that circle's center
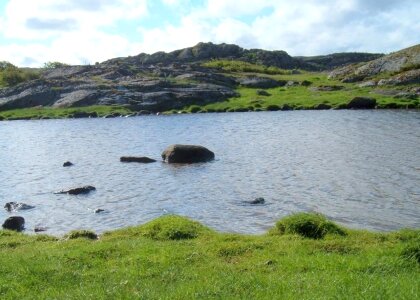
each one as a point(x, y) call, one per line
point(359, 168)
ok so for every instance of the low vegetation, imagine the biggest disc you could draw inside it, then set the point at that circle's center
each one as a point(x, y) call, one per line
point(243, 66)
point(308, 225)
point(36, 113)
point(303, 95)
point(11, 75)
point(305, 256)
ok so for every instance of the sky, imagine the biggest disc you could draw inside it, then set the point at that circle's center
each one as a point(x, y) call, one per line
point(33, 32)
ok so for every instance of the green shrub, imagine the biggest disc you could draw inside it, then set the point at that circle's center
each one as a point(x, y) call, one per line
point(194, 108)
point(77, 234)
point(408, 67)
point(172, 227)
point(11, 75)
point(310, 225)
point(54, 65)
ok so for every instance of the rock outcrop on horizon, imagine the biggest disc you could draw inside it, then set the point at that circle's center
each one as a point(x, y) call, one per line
point(402, 67)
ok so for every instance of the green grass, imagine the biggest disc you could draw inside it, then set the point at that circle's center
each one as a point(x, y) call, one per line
point(147, 262)
point(242, 66)
point(301, 97)
point(59, 113)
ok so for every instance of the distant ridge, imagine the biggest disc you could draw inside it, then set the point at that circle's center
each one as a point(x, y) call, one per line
point(278, 58)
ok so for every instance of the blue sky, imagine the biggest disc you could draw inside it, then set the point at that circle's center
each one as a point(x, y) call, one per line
point(86, 31)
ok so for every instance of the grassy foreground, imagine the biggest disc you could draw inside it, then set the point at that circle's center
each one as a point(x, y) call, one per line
point(303, 257)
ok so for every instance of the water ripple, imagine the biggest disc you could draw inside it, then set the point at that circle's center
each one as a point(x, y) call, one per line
point(360, 168)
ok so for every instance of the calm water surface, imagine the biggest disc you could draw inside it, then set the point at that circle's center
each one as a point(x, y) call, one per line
point(360, 168)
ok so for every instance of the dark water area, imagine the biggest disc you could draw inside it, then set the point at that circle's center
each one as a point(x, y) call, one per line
point(359, 168)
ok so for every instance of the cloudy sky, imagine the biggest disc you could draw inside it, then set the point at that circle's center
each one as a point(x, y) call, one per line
point(87, 31)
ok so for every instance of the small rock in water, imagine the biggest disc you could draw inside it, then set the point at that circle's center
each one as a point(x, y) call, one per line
point(14, 223)
point(40, 229)
point(68, 164)
point(99, 210)
point(139, 159)
point(77, 191)
point(15, 206)
point(259, 200)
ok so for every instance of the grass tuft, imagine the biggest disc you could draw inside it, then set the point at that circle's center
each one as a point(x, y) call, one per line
point(77, 234)
point(172, 227)
point(412, 251)
point(309, 225)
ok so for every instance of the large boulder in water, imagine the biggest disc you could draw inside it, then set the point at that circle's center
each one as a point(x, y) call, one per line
point(362, 103)
point(14, 223)
point(187, 154)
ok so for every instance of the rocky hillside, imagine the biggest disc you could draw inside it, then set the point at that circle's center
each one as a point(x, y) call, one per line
point(398, 68)
point(335, 60)
point(207, 51)
point(156, 82)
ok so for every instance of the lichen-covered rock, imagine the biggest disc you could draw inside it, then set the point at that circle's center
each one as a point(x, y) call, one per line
point(261, 82)
point(327, 88)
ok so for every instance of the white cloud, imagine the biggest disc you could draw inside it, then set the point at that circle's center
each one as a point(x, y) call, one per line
point(76, 31)
point(41, 19)
point(72, 31)
point(301, 28)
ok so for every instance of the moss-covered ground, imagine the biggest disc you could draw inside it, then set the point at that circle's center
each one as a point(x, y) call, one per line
point(175, 258)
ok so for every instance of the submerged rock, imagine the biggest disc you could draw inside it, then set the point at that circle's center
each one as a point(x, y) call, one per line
point(14, 223)
point(15, 206)
point(139, 159)
point(67, 164)
point(40, 229)
point(187, 154)
point(77, 191)
point(259, 200)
